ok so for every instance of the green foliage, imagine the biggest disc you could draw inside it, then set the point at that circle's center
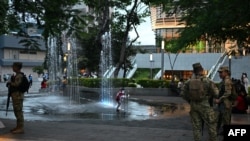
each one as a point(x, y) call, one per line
point(200, 46)
point(116, 83)
point(119, 82)
point(90, 52)
point(38, 69)
point(149, 83)
point(30, 44)
point(209, 19)
point(132, 85)
point(4, 16)
point(56, 16)
point(144, 73)
point(171, 46)
point(91, 83)
point(96, 83)
point(128, 14)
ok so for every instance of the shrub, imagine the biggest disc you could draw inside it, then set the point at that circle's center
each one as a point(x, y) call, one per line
point(119, 82)
point(132, 85)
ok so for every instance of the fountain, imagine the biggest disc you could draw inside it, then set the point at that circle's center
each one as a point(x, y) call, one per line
point(70, 72)
point(58, 106)
point(55, 106)
point(54, 62)
point(105, 66)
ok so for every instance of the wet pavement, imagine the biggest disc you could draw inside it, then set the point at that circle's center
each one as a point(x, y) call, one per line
point(172, 123)
point(56, 107)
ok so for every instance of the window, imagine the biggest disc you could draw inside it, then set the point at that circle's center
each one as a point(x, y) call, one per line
point(159, 12)
point(27, 52)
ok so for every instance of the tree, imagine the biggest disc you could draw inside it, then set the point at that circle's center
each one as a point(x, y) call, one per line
point(58, 19)
point(38, 69)
point(124, 18)
point(171, 47)
point(210, 19)
point(42, 12)
point(52, 17)
point(95, 25)
point(129, 52)
point(129, 18)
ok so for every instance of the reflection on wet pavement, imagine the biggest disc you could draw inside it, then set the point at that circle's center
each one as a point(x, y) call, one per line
point(57, 108)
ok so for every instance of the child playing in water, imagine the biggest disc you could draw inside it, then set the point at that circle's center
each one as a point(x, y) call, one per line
point(118, 98)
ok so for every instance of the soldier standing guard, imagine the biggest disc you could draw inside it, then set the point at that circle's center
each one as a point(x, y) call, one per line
point(224, 102)
point(17, 98)
point(201, 111)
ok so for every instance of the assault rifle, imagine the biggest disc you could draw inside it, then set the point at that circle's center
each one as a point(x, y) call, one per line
point(8, 99)
point(221, 92)
point(9, 93)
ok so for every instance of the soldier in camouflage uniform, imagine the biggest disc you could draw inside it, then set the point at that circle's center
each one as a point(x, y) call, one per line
point(17, 98)
point(202, 112)
point(224, 102)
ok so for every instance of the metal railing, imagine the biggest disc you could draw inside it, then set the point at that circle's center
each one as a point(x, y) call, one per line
point(131, 72)
point(212, 72)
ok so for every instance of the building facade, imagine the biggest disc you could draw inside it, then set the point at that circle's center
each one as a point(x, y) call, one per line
point(12, 51)
point(167, 25)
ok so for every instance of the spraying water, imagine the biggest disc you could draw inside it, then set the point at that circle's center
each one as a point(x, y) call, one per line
point(56, 72)
point(72, 72)
point(105, 68)
point(54, 63)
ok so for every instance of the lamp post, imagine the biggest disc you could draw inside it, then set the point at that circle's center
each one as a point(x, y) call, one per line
point(65, 58)
point(68, 60)
point(230, 57)
point(151, 64)
point(162, 59)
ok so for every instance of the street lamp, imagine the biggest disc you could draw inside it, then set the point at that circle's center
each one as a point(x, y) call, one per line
point(162, 59)
point(230, 57)
point(68, 59)
point(68, 46)
point(151, 64)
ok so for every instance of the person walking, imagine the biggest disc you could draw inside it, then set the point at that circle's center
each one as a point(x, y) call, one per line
point(17, 97)
point(224, 102)
point(180, 85)
point(30, 80)
point(245, 81)
point(198, 91)
point(44, 84)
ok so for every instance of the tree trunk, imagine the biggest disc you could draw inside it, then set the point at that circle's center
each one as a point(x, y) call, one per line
point(124, 41)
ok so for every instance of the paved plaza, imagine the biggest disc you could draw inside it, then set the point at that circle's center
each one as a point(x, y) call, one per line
point(176, 128)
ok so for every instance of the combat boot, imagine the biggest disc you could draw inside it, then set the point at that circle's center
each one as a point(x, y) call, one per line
point(13, 129)
point(17, 131)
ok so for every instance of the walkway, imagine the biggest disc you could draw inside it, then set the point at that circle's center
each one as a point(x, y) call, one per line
point(171, 129)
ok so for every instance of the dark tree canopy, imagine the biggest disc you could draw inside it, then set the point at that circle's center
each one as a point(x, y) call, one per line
point(210, 18)
point(57, 17)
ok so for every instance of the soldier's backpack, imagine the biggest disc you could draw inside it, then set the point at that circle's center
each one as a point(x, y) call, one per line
point(24, 86)
point(196, 89)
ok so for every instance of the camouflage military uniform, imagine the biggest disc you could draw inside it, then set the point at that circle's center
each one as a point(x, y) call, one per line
point(17, 100)
point(225, 106)
point(202, 111)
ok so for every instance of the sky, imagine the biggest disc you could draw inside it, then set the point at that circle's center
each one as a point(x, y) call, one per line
point(145, 32)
